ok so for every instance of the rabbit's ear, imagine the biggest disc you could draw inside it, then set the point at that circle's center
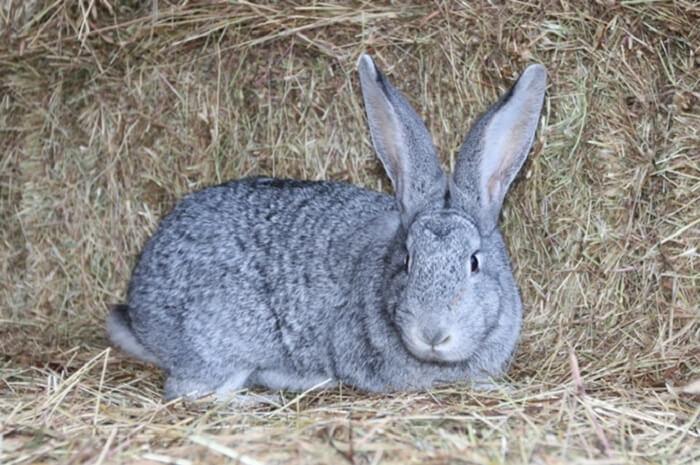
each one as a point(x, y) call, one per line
point(403, 144)
point(496, 148)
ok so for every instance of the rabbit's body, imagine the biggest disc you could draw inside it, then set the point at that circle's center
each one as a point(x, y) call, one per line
point(294, 284)
point(254, 275)
point(262, 276)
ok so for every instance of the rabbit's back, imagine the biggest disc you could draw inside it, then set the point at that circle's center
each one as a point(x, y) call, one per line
point(237, 269)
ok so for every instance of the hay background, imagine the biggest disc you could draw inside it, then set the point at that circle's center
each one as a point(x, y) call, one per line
point(110, 111)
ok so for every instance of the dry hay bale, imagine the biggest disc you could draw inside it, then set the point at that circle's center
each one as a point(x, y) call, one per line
point(111, 110)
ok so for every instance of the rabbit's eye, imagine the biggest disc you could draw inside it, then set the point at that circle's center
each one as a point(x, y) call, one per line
point(475, 264)
point(407, 263)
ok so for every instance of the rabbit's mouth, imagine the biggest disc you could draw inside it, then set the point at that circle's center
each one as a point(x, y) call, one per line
point(432, 346)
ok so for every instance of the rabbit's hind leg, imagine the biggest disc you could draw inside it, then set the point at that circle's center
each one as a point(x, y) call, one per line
point(186, 388)
point(235, 382)
point(193, 387)
point(227, 392)
point(290, 381)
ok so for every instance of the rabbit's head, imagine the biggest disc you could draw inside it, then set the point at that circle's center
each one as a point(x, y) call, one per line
point(457, 281)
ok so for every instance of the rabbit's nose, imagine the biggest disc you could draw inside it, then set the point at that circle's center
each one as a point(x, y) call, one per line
point(435, 337)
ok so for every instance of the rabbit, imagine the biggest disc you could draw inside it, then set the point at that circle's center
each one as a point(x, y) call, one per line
point(294, 285)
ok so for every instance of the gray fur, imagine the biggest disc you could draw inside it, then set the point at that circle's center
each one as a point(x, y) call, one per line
point(296, 284)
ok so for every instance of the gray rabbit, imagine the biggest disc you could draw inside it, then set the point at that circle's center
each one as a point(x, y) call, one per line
point(292, 284)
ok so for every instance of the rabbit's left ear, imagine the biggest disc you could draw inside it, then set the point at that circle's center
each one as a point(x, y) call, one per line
point(496, 148)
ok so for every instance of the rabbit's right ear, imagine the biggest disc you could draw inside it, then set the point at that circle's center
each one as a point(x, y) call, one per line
point(402, 143)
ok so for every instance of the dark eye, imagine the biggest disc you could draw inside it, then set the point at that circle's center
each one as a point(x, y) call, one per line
point(407, 263)
point(475, 264)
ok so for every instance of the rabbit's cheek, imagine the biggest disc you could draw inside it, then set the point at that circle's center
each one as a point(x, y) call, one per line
point(474, 316)
point(489, 301)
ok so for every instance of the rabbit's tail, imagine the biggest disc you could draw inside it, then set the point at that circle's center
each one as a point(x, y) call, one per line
point(120, 333)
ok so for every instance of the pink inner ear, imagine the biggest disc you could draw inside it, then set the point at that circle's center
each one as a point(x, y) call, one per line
point(506, 141)
point(386, 135)
point(510, 147)
point(508, 135)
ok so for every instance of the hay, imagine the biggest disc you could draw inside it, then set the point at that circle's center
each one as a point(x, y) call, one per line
point(109, 111)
